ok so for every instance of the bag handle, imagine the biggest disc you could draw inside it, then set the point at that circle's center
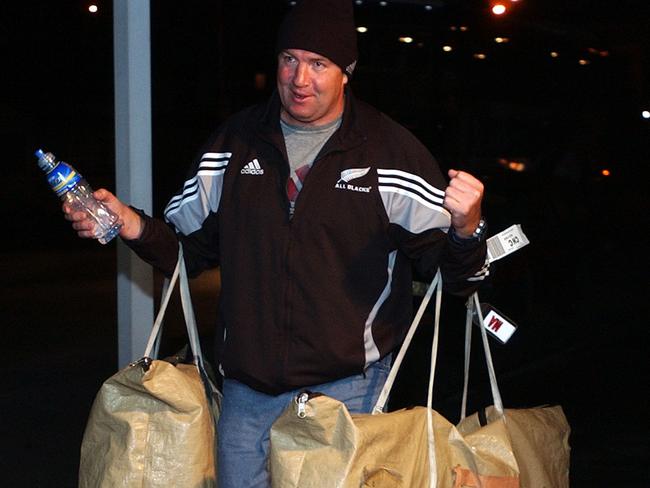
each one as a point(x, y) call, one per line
point(474, 304)
point(188, 312)
point(436, 285)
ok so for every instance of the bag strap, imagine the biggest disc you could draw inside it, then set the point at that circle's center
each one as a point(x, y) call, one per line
point(436, 284)
point(474, 304)
point(188, 312)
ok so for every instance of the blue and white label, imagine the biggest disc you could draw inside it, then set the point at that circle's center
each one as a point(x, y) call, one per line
point(62, 178)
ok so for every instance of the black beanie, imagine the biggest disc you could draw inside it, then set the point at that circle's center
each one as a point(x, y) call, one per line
point(325, 27)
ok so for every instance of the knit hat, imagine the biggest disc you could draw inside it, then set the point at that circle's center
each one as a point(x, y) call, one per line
point(325, 27)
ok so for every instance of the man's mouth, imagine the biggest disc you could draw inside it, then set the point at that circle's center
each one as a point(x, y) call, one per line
point(299, 97)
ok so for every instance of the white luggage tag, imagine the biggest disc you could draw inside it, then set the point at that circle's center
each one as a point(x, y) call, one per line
point(506, 242)
point(496, 323)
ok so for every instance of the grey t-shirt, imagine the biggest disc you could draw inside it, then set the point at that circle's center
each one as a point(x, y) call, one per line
point(304, 143)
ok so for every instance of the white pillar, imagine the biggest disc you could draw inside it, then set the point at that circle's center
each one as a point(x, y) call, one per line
point(132, 64)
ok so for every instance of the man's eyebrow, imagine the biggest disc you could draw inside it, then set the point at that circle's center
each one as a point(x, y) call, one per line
point(319, 58)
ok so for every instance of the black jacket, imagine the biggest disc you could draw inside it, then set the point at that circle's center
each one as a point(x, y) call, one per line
point(320, 296)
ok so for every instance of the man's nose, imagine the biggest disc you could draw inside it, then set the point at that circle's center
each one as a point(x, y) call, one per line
point(301, 75)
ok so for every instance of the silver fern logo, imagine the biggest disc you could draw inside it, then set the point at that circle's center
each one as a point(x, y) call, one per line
point(352, 174)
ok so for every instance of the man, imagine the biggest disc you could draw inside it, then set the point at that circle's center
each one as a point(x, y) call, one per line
point(315, 206)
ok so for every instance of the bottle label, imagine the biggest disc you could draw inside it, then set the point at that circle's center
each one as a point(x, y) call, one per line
point(62, 178)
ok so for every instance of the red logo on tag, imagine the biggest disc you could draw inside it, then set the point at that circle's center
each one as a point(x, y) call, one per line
point(495, 324)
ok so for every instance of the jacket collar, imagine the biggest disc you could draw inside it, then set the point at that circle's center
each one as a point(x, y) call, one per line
point(351, 133)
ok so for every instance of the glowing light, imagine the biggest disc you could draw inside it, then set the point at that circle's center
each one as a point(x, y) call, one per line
point(498, 9)
point(554, 54)
point(480, 56)
point(516, 166)
point(464, 28)
point(260, 81)
point(453, 28)
point(362, 29)
point(606, 172)
point(93, 9)
point(584, 62)
point(358, 2)
point(597, 52)
point(447, 49)
point(512, 165)
point(383, 4)
point(501, 40)
point(645, 114)
point(428, 7)
point(406, 40)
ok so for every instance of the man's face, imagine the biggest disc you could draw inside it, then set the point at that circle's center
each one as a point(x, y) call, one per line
point(311, 88)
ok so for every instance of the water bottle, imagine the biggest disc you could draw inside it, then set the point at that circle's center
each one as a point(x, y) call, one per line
point(73, 189)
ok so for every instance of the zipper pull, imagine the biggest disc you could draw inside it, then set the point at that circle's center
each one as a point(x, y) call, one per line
point(301, 401)
point(144, 362)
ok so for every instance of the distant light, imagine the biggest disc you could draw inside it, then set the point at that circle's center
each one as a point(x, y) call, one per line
point(501, 40)
point(406, 40)
point(498, 9)
point(447, 49)
point(362, 29)
point(480, 56)
point(584, 62)
point(513, 164)
point(428, 7)
point(93, 9)
point(606, 172)
point(260, 81)
point(554, 54)
point(292, 4)
point(383, 4)
point(645, 114)
point(453, 28)
point(464, 28)
point(358, 2)
point(516, 166)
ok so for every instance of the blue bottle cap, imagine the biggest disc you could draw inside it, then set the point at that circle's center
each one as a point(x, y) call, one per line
point(39, 153)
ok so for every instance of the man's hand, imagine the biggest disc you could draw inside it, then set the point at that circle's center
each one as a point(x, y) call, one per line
point(131, 221)
point(463, 200)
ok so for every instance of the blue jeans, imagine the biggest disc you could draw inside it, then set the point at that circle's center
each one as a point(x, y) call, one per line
point(247, 416)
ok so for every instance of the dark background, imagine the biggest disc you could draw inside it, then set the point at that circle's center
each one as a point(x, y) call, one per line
point(578, 291)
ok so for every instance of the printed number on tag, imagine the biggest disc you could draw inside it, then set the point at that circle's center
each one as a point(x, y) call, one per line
point(506, 242)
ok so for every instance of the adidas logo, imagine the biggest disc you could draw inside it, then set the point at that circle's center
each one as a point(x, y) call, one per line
point(252, 168)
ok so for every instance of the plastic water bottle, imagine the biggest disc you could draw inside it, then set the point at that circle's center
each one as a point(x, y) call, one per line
point(73, 189)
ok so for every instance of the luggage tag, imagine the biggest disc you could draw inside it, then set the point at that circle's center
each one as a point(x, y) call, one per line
point(499, 246)
point(506, 242)
point(496, 323)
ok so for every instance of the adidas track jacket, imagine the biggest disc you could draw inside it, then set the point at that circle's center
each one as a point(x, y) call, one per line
point(324, 294)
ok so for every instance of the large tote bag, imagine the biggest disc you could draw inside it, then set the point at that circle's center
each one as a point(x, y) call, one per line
point(539, 435)
point(153, 424)
point(318, 443)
